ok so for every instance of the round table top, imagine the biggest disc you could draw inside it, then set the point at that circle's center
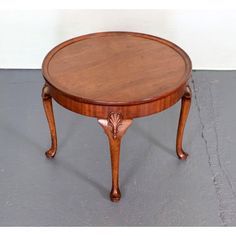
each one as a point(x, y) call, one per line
point(117, 68)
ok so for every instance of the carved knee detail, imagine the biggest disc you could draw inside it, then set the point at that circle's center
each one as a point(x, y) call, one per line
point(115, 126)
point(188, 92)
point(114, 121)
point(45, 92)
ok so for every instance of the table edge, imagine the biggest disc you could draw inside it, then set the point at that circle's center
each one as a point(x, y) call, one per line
point(180, 51)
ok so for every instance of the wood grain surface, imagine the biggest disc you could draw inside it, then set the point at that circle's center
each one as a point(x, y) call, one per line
point(117, 68)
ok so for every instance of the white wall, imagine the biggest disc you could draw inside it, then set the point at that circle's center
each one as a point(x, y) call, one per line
point(209, 37)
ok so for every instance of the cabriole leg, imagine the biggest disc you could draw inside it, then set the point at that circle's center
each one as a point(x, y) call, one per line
point(47, 104)
point(185, 106)
point(115, 127)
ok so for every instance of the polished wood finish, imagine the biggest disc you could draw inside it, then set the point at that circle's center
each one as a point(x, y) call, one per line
point(128, 111)
point(115, 127)
point(47, 104)
point(116, 65)
point(185, 106)
point(129, 73)
point(115, 77)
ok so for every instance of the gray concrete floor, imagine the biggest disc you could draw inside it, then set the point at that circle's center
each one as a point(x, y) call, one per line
point(157, 188)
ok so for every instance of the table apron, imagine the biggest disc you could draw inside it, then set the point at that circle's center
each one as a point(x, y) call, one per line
point(127, 111)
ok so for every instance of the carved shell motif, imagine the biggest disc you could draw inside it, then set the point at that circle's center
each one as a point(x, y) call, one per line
point(114, 121)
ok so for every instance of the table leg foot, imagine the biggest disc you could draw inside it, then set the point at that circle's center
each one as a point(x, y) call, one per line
point(182, 154)
point(50, 153)
point(115, 127)
point(47, 104)
point(185, 106)
point(115, 195)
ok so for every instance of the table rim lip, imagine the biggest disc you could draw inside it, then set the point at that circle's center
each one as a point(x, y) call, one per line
point(57, 48)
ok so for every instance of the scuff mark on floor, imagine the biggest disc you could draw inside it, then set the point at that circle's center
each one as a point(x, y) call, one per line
point(224, 190)
point(217, 147)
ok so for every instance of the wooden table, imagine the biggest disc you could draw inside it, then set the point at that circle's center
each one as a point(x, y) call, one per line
point(115, 77)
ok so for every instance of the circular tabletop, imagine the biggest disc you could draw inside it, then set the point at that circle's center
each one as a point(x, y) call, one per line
point(117, 68)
